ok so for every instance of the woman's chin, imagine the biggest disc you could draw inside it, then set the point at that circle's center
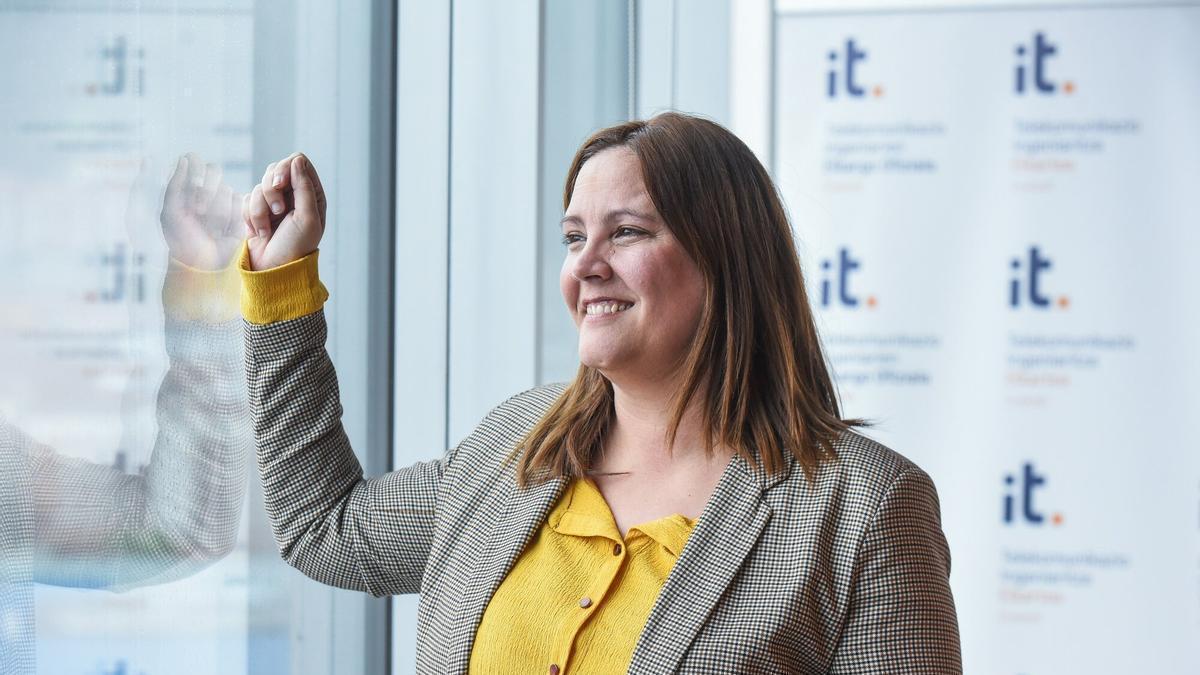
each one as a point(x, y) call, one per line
point(601, 360)
point(593, 363)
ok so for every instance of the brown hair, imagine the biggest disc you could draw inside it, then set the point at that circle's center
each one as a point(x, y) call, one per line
point(756, 365)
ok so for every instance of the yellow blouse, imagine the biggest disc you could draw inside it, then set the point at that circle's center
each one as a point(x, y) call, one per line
point(577, 598)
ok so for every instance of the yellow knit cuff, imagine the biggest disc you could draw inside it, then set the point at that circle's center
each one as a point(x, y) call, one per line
point(191, 294)
point(281, 293)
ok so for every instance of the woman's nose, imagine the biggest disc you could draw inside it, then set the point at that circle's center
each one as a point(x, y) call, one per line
point(591, 262)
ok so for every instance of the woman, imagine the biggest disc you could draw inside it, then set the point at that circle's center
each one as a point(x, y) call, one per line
point(691, 502)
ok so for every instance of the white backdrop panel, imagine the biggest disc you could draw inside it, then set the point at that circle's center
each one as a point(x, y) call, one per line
point(996, 218)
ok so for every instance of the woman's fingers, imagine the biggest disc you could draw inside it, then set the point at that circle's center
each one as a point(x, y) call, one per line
point(258, 212)
point(275, 184)
point(271, 192)
point(289, 185)
point(318, 189)
point(250, 231)
point(310, 198)
point(294, 227)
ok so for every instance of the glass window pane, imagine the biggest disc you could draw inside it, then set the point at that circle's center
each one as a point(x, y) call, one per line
point(133, 535)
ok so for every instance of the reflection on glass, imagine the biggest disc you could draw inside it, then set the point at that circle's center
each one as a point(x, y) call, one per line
point(123, 428)
point(70, 522)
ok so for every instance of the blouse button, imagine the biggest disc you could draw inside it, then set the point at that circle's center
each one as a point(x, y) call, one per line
point(553, 669)
point(585, 602)
point(616, 549)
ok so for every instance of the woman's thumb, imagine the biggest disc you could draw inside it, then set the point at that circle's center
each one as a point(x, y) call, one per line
point(303, 189)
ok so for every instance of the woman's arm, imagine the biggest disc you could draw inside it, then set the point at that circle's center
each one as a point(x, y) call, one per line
point(331, 524)
point(371, 535)
point(901, 617)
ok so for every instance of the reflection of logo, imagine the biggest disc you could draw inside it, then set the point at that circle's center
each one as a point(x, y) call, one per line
point(1029, 481)
point(835, 281)
point(117, 76)
point(1035, 59)
point(845, 72)
point(124, 275)
point(1027, 288)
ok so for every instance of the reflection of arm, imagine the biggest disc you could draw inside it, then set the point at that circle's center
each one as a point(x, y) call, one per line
point(901, 617)
point(331, 524)
point(98, 527)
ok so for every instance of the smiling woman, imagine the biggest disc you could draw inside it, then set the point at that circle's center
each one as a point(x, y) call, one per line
point(691, 502)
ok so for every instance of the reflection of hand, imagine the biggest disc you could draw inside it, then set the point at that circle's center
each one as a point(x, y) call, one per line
point(198, 217)
point(285, 214)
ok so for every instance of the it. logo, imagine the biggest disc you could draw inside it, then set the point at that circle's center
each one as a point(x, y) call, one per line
point(117, 75)
point(835, 282)
point(1031, 69)
point(1026, 287)
point(842, 80)
point(126, 277)
point(1021, 490)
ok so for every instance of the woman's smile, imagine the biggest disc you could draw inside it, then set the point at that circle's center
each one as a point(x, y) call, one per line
point(597, 309)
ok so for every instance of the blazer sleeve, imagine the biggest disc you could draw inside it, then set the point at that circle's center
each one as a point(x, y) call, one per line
point(330, 523)
point(901, 616)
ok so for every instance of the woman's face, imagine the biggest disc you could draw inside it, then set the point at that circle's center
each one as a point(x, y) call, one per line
point(634, 293)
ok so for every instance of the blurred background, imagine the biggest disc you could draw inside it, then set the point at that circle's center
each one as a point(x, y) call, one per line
point(994, 202)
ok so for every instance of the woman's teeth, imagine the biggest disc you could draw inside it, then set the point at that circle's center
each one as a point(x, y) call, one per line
point(607, 307)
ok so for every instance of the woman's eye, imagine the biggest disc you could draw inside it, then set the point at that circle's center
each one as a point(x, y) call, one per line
point(626, 232)
point(571, 238)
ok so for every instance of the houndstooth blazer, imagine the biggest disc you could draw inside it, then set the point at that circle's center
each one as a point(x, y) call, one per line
point(848, 574)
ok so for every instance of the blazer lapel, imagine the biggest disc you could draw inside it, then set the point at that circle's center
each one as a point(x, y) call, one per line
point(727, 530)
point(523, 514)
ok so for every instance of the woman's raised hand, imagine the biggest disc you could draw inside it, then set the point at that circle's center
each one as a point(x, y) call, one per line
point(285, 213)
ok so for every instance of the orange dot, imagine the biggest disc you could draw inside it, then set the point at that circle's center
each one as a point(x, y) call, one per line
point(871, 301)
point(878, 91)
point(1068, 87)
point(1057, 519)
point(1064, 302)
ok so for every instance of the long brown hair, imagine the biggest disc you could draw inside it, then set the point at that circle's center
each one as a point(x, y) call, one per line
point(756, 365)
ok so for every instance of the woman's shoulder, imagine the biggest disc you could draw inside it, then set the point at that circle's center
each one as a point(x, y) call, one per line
point(866, 459)
point(861, 470)
point(507, 424)
point(524, 409)
point(532, 402)
point(848, 490)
